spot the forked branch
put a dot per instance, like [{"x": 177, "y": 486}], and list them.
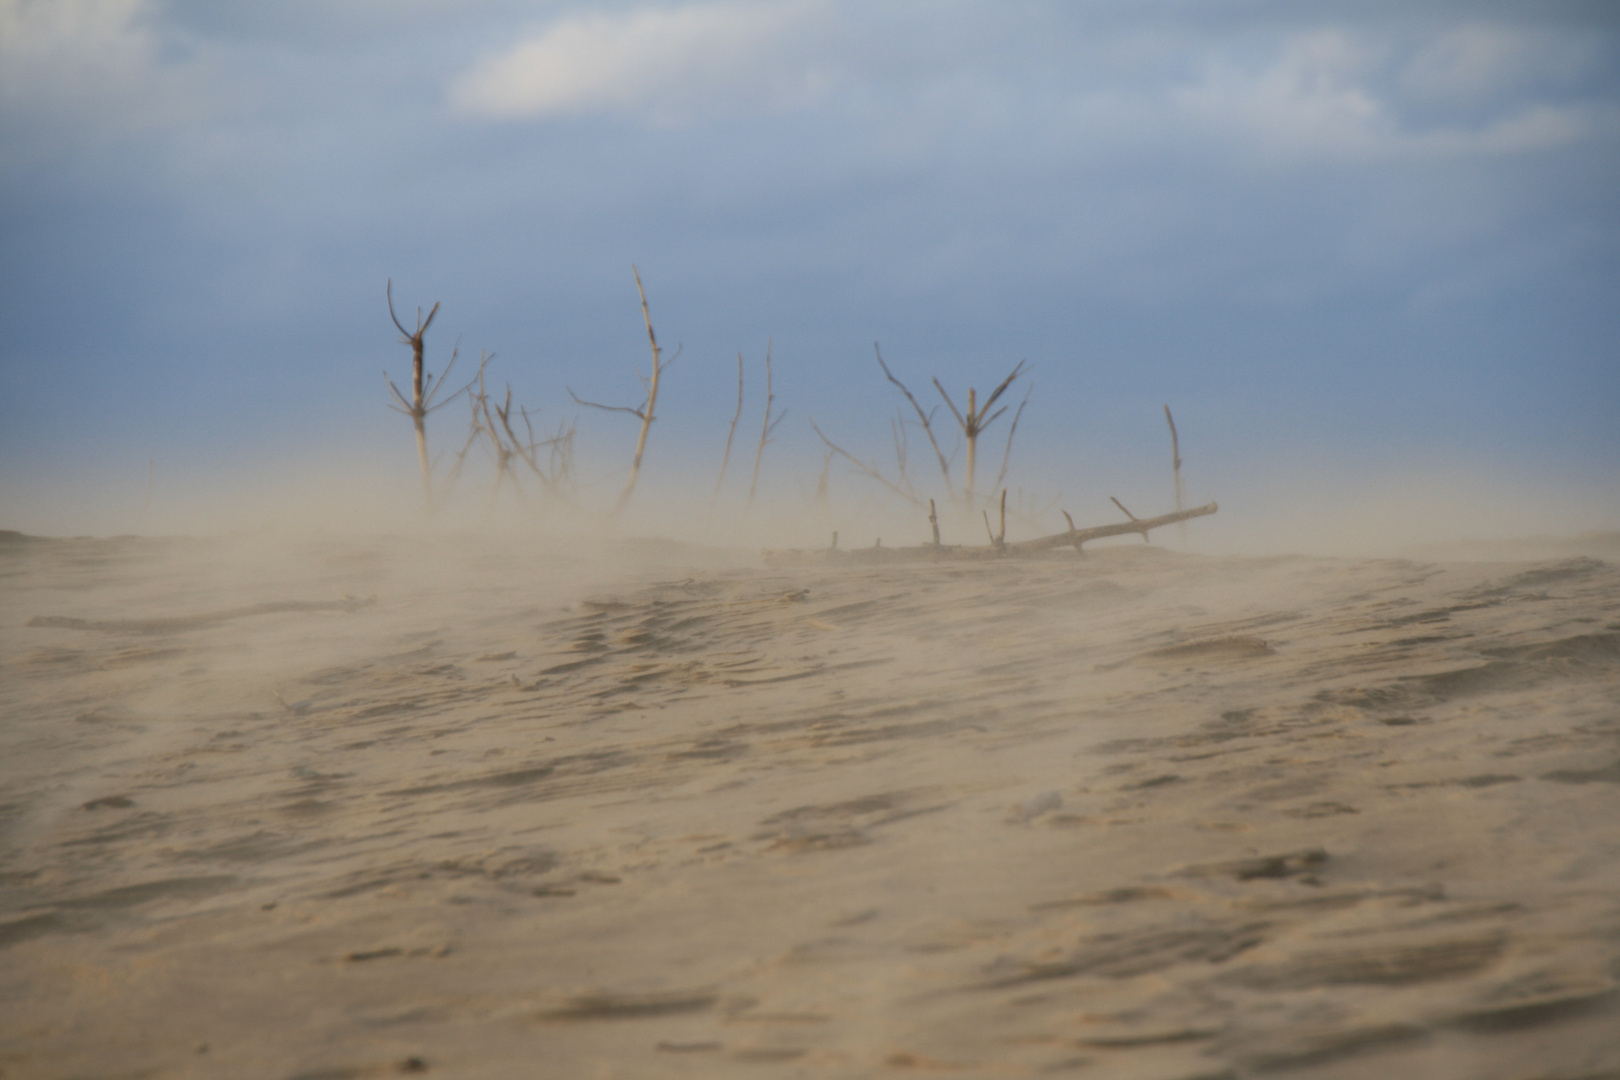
[
  {"x": 646, "y": 411},
  {"x": 864, "y": 468},
  {"x": 976, "y": 420},
  {"x": 424, "y": 392},
  {"x": 926, "y": 419}
]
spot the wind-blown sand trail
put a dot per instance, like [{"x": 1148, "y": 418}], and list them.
[{"x": 668, "y": 813}]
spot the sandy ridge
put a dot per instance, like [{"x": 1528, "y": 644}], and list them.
[{"x": 1137, "y": 815}]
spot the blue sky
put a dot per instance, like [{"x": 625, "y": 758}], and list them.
[{"x": 1340, "y": 239}]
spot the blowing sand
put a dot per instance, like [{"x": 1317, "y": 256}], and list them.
[{"x": 654, "y": 811}]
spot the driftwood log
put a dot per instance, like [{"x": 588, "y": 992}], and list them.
[
  {"x": 1075, "y": 537},
  {"x": 997, "y": 548}
]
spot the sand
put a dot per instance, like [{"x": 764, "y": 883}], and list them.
[{"x": 645, "y": 810}]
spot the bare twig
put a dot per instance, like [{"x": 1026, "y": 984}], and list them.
[
  {"x": 1006, "y": 455},
  {"x": 977, "y": 419},
  {"x": 426, "y": 393},
  {"x": 1175, "y": 454},
  {"x": 926, "y": 419},
  {"x": 558, "y": 475},
  {"x": 484, "y": 420},
  {"x": 658, "y": 366},
  {"x": 1175, "y": 466},
  {"x": 767, "y": 426},
  {"x": 524, "y": 451},
  {"x": 639, "y": 412},
  {"x": 646, "y": 411},
  {"x": 473, "y": 431},
  {"x": 998, "y": 540},
  {"x": 902, "y": 452},
  {"x": 909, "y": 496},
  {"x": 417, "y": 407},
  {"x": 730, "y": 435}
]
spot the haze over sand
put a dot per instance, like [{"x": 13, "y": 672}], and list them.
[
  {"x": 643, "y": 808},
  {"x": 295, "y": 785}
]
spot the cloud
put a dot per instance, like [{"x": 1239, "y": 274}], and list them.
[
  {"x": 1269, "y": 95},
  {"x": 73, "y": 71},
  {"x": 1338, "y": 96},
  {"x": 1479, "y": 61},
  {"x": 658, "y": 64}
]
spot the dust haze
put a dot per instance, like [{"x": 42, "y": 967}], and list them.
[
  {"x": 299, "y": 783},
  {"x": 339, "y": 743}
]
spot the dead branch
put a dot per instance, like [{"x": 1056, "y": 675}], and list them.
[
  {"x": 418, "y": 403},
  {"x": 902, "y": 451},
  {"x": 868, "y": 470},
  {"x": 998, "y": 541},
  {"x": 426, "y": 394},
  {"x": 484, "y": 421},
  {"x": 461, "y": 456},
  {"x": 638, "y": 412},
  {"x": 1175, "y": 454},
  {"x": 658, "y": 366},
  {"x": 768, "y": 425},
  {"x": 1175, "y": 467},
  {"x": 646, "y": 411},
  {"x": 523, "y": 451},
  {"x": 995, "y": 549},
  {"x": 925, "y": 418},
  {"x": 977, "y": 419},
  {"x": 558, "y": 475},
  {"x": 1075, "y": 537},
  {"x": 732, "y": 434},
  {"x": 1006, "y": 455}
]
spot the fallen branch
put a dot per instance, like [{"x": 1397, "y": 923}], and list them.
[
  {"x": 1075, "y": 537},
  {"x": 997, "y": 547}
]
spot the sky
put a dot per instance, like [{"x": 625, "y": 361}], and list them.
[{"x": 1357, "y": 247}]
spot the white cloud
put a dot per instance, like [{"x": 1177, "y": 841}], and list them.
[
  {"x": 659, "y": 64},
  {"x": 1336, "y": 96},
  {"x": 1479, "y": 61},
  {"x": 1309, "y": 98},
  {"x": 77, "y": 70}
]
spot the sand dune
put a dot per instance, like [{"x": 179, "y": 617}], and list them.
[{"x": 342, "y": 809}]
